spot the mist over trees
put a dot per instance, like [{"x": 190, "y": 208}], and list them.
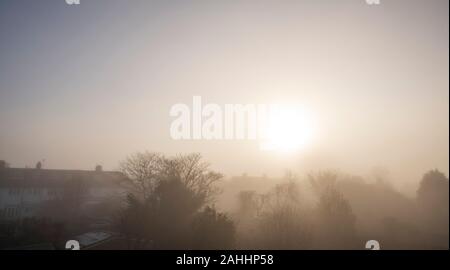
[
  {"x": 169, "y": 206},
  {"x": 331, "y": 210},
  {"x": 179, "y": 202},
  {"x": 172, "y": 205}
]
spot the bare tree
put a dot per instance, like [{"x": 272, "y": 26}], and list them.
[
  {"x": 322, "y": 182},
  {"x": 143, "y": 170},
  {"x": 336, "y": 226},
  {"x": 284, "y": 219},
  {"x": 195, "y": 174}
]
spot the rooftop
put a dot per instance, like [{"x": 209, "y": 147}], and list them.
[{"x": 31, "y": 177}]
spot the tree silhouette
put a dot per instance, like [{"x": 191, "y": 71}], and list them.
[
  {"x": 283, "y": 220},
  {"x": 194, "y": 173},
  {"x": 433, "y": 200},
  {"x": 170, "y": 216},
  {"x": 212, "y": 230},
  {"x": 143, "y": 171},
  {"x": 433, "y": 190},
  {"x": 336, "y": 221}
]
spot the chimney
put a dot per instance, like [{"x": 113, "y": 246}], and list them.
[
  {"x": 98, "y": 168},
  {"x": 3, "y": 164}
]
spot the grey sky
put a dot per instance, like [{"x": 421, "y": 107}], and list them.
[{"x": 88, "y": 84}]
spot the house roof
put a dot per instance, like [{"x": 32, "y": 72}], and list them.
[{"x": 40, "y": 178}]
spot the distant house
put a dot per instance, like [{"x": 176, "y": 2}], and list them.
[{"x": 24, "y": 191}]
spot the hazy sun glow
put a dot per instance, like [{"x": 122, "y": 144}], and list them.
[{"x": 288, "y": 129}]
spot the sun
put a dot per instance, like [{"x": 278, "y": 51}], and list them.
[{"x": 288, "y": 129}]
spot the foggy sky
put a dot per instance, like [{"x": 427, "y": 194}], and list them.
[{"x": 89, "y": 84}]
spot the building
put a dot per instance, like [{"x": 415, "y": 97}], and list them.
[{"x": 25, "y": 192}]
